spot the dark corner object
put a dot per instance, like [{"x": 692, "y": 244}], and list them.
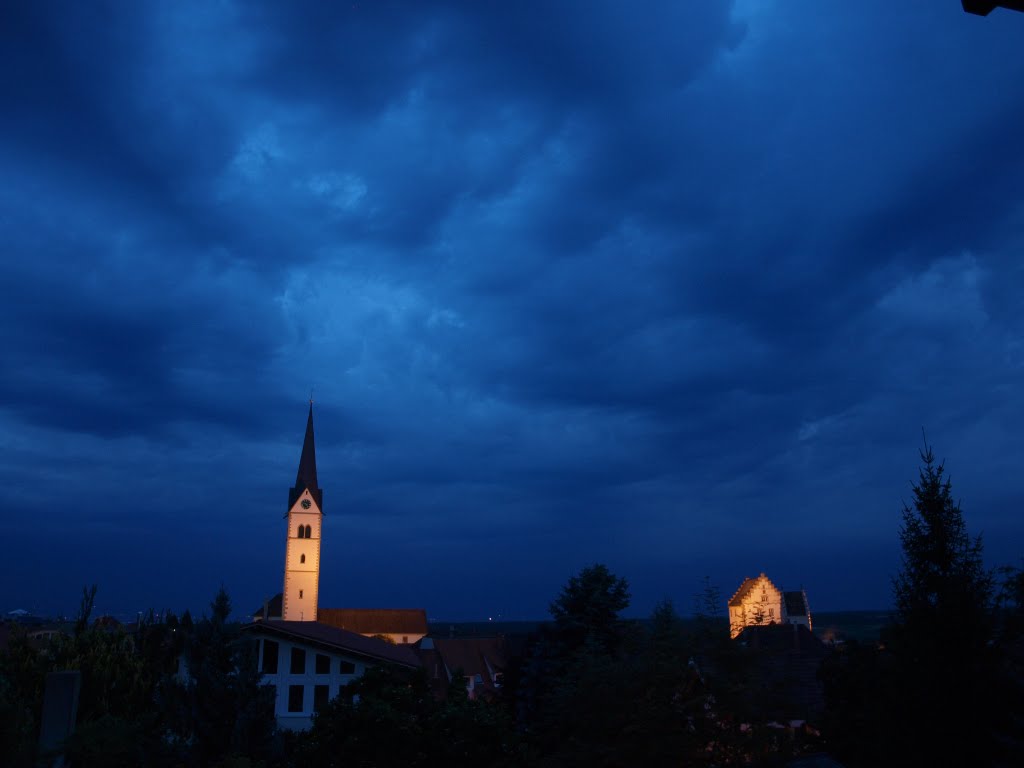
[{"x": 985, "y": 7}]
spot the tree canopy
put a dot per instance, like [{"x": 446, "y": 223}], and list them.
[
  {"x": 589, "y": 605},
  {"x": 943, "y": 582}
]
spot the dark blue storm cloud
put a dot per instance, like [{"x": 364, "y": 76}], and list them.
[{"x": 670, "y": 287}]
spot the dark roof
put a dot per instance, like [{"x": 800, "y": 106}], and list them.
[
  {"x": 790, "y": 638},
  {"x": 334, "y": 639},
  {"x": 275, "y": 606},
  {"x": 796, "y": 604},
  {"x": 484, "y": 656},
  {"x": 376, "y": 621},
  {"x": 306, "y": 476},
  {"x": 473, "y": 655}
]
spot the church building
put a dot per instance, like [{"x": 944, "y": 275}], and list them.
[
  {"x": 759, "y": 602},
  {"x": 306, "y": 659}
]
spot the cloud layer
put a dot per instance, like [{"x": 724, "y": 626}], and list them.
[{"x": 673, "y": 289}]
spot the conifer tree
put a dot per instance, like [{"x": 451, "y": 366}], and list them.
[
  {"x": 945, "y": 665},
  {"x": 589, "y": 606},
  {"x": 943, "y": 581}
]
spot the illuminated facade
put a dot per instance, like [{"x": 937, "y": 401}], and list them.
[
  {"x": 302, "y": 550},
  {"x": 759, "y": 602}
]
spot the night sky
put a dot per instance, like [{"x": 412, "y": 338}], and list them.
[{"x": 669, "y": 286}]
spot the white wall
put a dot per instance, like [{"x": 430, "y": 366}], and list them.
[
  {"x": 302, "y": 579},
  {"x": 283, "y": 679}
]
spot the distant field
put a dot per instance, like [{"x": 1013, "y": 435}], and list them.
[{"x": 863, "y": 626}]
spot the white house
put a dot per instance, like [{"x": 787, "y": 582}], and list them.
[{"x": 307, "y": 663}]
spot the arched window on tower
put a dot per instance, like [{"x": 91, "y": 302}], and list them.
[
  {"x": 302, "y": 532},
  {"x": 309, "y": 532},
  {"x": 302, "y": 559}
]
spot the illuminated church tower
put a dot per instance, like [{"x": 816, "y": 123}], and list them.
[{"x": 302, "y": 554}]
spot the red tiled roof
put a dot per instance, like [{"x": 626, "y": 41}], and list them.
[
  {"x": 376, "y": 621},
  {"x": 335, "y": 639}
]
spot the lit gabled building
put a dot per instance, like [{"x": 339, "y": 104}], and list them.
[{"x": 759, "y": 602}]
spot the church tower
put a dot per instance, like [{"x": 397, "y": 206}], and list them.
[{"x": 302, "y": 553}]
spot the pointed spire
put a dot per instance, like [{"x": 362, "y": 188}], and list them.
[{"x": 306, "y": 476}]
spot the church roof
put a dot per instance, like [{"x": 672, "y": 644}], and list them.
[
  {"x": 274, "y": 606},
  {"x": 306, "y": 476},
  {"x": 334, "y": 639},
  {"x": 796, "y": 603},
  {"x": 376, "y": 621}
]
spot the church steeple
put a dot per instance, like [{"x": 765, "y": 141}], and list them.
[
  {"x": 302, "y": 550},
  {"x": 306, "y": 476}
]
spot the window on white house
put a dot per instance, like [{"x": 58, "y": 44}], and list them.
[
  {"x": 298, "y": 666},
  {"x": 320, "y": 697},
  {"x": 295, "y": 694},
  {"x": 323, "y": 664},
  {"x": 347, "y": 668},
  {"x": 269, "y": 657}
]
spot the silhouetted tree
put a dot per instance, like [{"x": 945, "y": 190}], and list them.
[
  {"x": 221, "y": 710},
  {"x": 943, "y": 583},
  {"x": 932, "y": 694},
  {"x": 389, "y": 718},
  {"x": 22, "y": 670},
  {"x": 943, "y": 632},
  {"x": 85, "y": 609},
  {"x": 707, "y": 609},
  {"x": 588, "y": 607},
  {"x": 220, "y": 608}
]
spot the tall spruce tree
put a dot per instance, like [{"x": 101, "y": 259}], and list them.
[
  {"x": 943, "y": 581},
  {"x": 945, "y": 677}
]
